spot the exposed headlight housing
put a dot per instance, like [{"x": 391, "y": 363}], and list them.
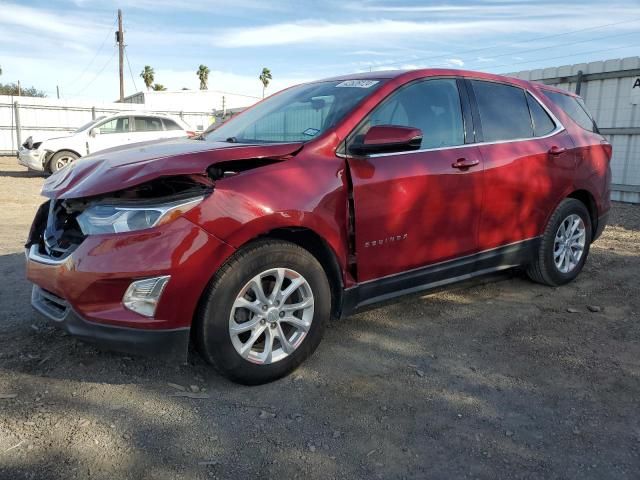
[{"x": 106, "y": 218}]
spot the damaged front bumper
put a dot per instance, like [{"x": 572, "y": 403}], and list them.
[
  {"x": 32, "y": 159},
  {"x": 170, "y": 344},
  {"x": 82, "y": 291}
]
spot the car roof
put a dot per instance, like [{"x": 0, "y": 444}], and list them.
[
  {"x": 433, "y": 72},
  {"x": 142, "y": 114}
]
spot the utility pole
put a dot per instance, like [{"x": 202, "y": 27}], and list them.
[
  {"x": 58, "y": 91},
  {"x": 19, "y": 91},
  {"x": 120, "y": 40}
]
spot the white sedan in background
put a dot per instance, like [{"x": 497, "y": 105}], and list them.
[{"x": 105, "y": 132}]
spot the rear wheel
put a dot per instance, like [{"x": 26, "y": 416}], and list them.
[
  {"x": 264, "y": 312},
  {"x": 565, "y": 245},
  {"x": 61, "y": 160}
]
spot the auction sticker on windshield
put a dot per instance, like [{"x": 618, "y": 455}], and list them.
[{"x": 357, "y": 83}]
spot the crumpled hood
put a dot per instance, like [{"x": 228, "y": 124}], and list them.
[{"x": 123, "y": 167}]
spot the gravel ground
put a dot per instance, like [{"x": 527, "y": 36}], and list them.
[{"x": 494, "y": 379}]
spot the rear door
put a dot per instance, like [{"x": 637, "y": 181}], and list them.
[
  {"x": 415, "y": 208},
  {"x": 529, "y": 162}
]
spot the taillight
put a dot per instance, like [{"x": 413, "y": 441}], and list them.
[{"x": 190, "y": 134}]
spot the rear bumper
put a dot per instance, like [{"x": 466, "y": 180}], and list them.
[{"x": 170, "y": 344}]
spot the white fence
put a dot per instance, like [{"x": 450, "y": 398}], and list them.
[
  {"x": 21, "y": 117},
  {"x": 611, "y": 90}
]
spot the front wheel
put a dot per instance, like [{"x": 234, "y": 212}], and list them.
[
  {"x": 61, "y": 160},
  {"x": 264, "y": 312},
  {"x": 564, "y": 246}
]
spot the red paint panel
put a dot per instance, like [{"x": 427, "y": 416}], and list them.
[
  {"x": 415, "y": 209},
  {"x": 98, "y": 273},
  {"x": 523, "y": 185}
]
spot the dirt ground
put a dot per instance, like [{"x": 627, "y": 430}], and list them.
[{"x": 500, "y": 378}]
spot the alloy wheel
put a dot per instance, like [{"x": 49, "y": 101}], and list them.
[
  {"x": 63, "y": 161},
  {"x": 568, "y": 246},
  {"x": 271, "y": 316}
]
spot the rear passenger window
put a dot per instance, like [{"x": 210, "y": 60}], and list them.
[
  {"x": 170, "y": 125},
  {"x": 503, "y": 109},
  {"x": 542, "y": 123},
  {"x": 573, "y": 107},
  {"x": 433, "y": 106},
  {"x": 147, "y": 124}
]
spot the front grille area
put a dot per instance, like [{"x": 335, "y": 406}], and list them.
[
  {"x": 49, "y": 304},
  {"x": 55, "y": 230}
]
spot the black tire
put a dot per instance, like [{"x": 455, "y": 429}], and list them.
[
  {"x": 543, "y": 269},
  {"x": 212, "y": 319},
  {"x": 56, "y": 163}
]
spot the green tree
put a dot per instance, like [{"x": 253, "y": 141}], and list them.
[
  {"x": 158, "y": 87},
  {"x": 265, "y": 77},
  {"x": 203, "y": 75},
  {"x": 148, "y": 76},
  {"x": 12, "y": 89}
]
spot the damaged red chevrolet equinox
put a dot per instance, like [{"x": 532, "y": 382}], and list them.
[{"x": 321, "y": 200}]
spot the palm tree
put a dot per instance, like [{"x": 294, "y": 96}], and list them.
[
  {"x": 148, "y": 76},
  {"x": 203, "y": 75},
  {"x": 158, "y": 87},
  {"x": 265, "y": 77}
]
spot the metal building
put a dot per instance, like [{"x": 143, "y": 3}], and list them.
[{"x": 611, "y": 90}]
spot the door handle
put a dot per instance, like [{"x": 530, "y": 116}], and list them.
[
  {"x": 557, "y": 150},
  {"x": 463, "y": 163}
]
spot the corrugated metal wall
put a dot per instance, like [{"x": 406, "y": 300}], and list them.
[{"x": 611, "y": 90}]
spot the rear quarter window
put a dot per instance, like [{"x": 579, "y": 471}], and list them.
[
  {"x": 170, "y": 125},
  {"x": 575, "y": 108},
  {"x": 542, "y": 122}
]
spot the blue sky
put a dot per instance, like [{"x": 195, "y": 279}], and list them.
[{"x": 70, "y": 43}]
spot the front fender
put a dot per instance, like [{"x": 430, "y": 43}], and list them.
[{"x": 290, "y": 194}]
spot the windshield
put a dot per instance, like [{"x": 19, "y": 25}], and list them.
[
  {"x": 88, "y": 124},
  {"x": 298, "y": 114}
]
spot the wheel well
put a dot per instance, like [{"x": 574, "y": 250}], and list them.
[
  {"x": 318, "y": 247},
  {"x": 585, "y": 197}
]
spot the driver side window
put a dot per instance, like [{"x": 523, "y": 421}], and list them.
[
  {"x": 433, "y": 106},
  {"x": 117, "y": 125}
]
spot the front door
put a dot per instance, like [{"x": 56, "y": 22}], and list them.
[
  {"x": 414, "y": 209},
  {"x": 111, "y": 133}
]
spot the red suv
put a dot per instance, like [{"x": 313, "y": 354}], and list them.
[{"x": 320, "y": 200}]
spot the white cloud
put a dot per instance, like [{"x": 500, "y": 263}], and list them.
[
  {"x": 316, "y": 32},
  {"x": 456, "y": 62},
  {"x": 380, "y": 32},
  {"x": 42, "y": 22}
]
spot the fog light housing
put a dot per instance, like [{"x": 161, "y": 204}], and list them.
[{"x": 143, "y": 296}]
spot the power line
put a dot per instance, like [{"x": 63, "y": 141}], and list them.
[
  {"x": 97, "y": 74},
  {"x": 508, "y": 44},
  {"x": 130, "y": 71},
  {"x": 548, "y": 47},
  {"x": 94, "y": 57},
  {"x": 633, "y": 45}
]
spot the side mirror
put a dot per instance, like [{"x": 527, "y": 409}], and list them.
[
  {"x": 388, "y": 139},
  {"x": 94, "y": 131}
]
